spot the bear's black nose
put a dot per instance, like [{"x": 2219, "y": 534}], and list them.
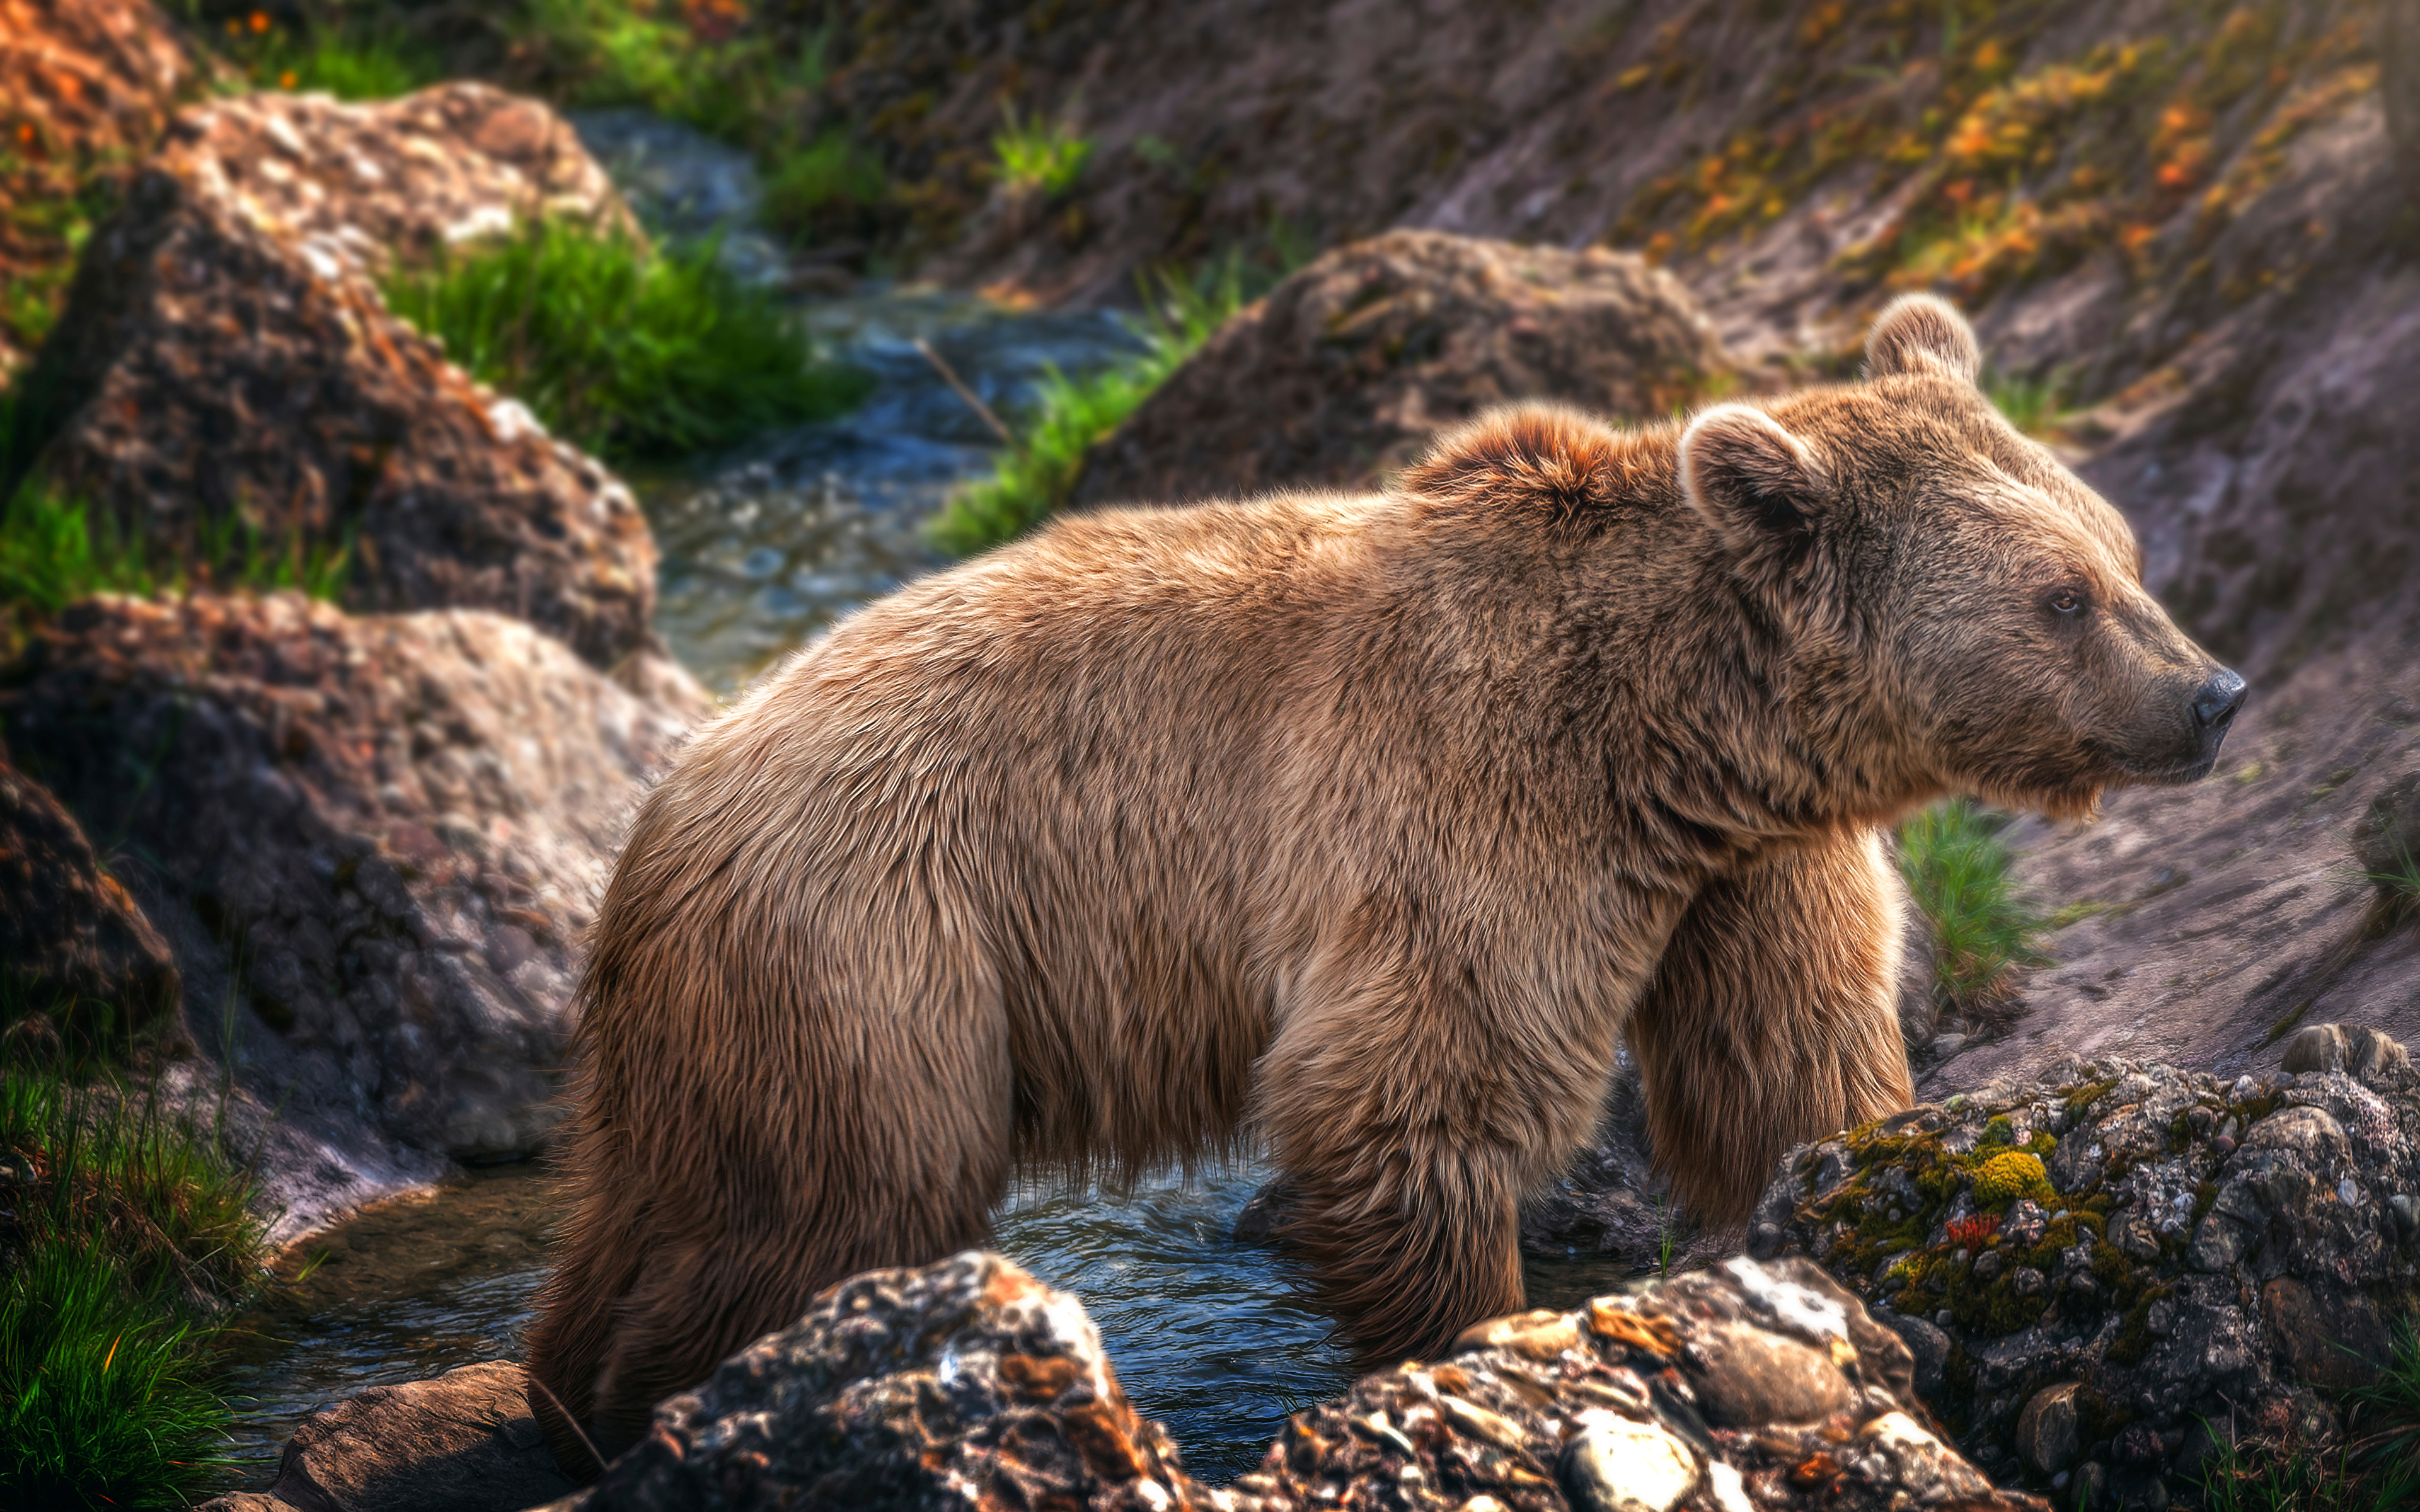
[{"x": 2217, "y": 701}]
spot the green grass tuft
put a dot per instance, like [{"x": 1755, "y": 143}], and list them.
[
  {"x": 1035, "y": 156},
  {"x": 1031, "y": 479},
  {"x": 352, "y": 59},
  {"x": 1958, "y": 870},
  {"x": 124, "y": 1239},
  {"x": 823, "y": 187},
  {"x": 624, "y": 351},
  {"x": 705, "y": 64}
]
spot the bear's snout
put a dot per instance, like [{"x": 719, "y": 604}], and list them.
[{"x": 2214, "y": 708}]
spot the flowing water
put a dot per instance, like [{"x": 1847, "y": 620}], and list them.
[
  {"x": 760, "y": 550},
  {"x": 1208, "y": 1333}
]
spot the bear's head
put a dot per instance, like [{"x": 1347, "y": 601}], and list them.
[{"x": 1973, "y": 612}]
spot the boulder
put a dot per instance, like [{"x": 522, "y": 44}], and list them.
[
  {"x": 372, "y": 841},
  {"x": 75, "y": 948},
  {"x": 1347, "y": 368},
  {"x": 1744, "y": 1384},
  {"x": 965, "y": 1384},
  {"x": 2346, "y": 1047},
  {"x": 462, "y": 1442},
  {"x": 968, "y": 1382},
  {"x": 84, "y": 85},
  {"x": 225, "y": 372},
  {"x": 2124, "y": 1251}
]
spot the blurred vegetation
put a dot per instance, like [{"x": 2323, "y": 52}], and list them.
[
  {"x": 1038, "y": 157},
  {"x": 371, "y": 57},
  {"x": 624, "y": 351},
  {"x": 1032, "y": 477},
  {"x": 2007, "y": 176},
  {"x": 127, "y": 1238},
  {"x": 1960, "y": 874}
]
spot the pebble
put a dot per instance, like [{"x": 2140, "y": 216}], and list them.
[{"x": 1619, "y": 1466}]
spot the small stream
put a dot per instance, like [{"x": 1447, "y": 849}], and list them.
[
  {"x": 762, "y": 550},
  {"x": 1208, "y": 1333}
]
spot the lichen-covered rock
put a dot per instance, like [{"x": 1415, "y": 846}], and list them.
[
  {"x": 964, "y": 1383},
  {"x": 2205, "y": 1252},
  {"x": 1746, "y": 1385},
  {"x": 1348, "y": 367},
  {"x": 373, "y": 840},
  {"x": 225, "y": 370},
  {"x": 73, "y": 945}
]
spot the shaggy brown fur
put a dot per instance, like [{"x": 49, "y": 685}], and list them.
[{"x": 1357, "y": 827}]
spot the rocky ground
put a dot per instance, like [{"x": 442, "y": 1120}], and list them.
[{"x": 968, "y": 1382}]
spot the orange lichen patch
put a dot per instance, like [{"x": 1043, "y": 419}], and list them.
[{"x": 1654, "y": 1335}]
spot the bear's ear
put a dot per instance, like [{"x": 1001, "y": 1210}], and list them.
[
  {"x": 1759, "y": 487},
  {"x": 1919, "y": 333}
]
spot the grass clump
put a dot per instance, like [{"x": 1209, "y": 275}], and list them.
[
  {"x": 711, "y": 64},
  {"x": 1958, "y": 870},
  {"x": 626, "y": 351},
  {"x": 827, "y": 188},
  {"x": 1033, "y": 476},
  {"x": 125, "y": 1237},
  {"x": 1037, "y": 157},
  {"x": 364, "y": 60}
]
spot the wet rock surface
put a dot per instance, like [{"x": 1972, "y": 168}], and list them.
[
  {"x": 71, "y": 940},
  {"x": 1348, "y": 367},
  {"x": 2109, "y": 1267},
  {"x": 371, "y": 840},
  {"x": 224, "y": 366},
  {"x": 965, "y": 1382},
  {"x": 464, "y": 1442}
]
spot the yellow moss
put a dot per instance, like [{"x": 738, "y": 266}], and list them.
[{"x": 2005, "y": 1178}]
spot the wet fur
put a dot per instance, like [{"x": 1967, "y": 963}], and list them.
[{"x": 1354, "y": 828}]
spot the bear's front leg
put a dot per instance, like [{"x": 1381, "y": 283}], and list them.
[
  {"x": 1411, "y": 1104},
  {"x": 1773, "y": 1019}
]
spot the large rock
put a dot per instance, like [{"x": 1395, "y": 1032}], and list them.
[
  {"x": 968, "y": 1382},
  {"x": 1743, "y": 1386},
  {"x": 464, "y": 1442},
  {"x": 1347, "y": 368},
  {"x": 75, "y": 948},
  {"x": 2110, "y": 1265},
  {"x": 372, "y": 841},
  {"x": 226, "y": 365},
  {"x": 85, "y": 85}
]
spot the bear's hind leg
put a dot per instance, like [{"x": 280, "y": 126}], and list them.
[{"x": 1772, "y": 1019}]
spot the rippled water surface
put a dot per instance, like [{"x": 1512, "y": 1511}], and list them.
[{"x": 1208, "y": 1335}]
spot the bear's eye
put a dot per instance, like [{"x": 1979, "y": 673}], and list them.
[{"x": 2065, "y": 600}]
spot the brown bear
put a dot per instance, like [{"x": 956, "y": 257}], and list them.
[{"x": 1356, "y": 830}]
